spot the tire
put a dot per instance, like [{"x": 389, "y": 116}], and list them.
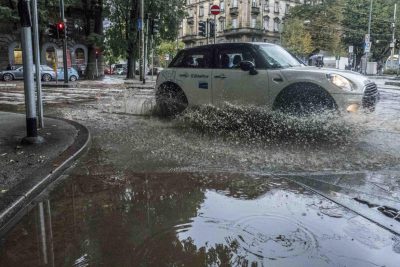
[
  {"x": 46, "y": 77},
  {"x": 304, "y": 99},
  {"x": 8, "y": 77},
  {"x": 73, "y": 78},
  {"x": 170, "y": 100}
]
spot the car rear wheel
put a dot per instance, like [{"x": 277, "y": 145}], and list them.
[
  {"x": 170, "y": 100},
  {"x": 46, "y": 77},
  {"x": 8, "y": 77},
  {"x": 73, "y": 78},
  {"x": 304, "y": 99}
]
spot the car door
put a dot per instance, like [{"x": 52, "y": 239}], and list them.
[
  {"x": 233, "y": 85},
  {"x": 19, "y": 73},
  {"x": 192, "y": 70}
]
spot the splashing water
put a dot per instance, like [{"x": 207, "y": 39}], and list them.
[{"x": 261, "y": 124}]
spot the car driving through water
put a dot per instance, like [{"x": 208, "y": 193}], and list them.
[{"x": 259, "y": 74}]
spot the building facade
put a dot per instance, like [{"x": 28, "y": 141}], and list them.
[
  {"x": 239, "y": 20},
  {"x": 50, "y": 49}
]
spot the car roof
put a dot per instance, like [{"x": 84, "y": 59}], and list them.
[{"x": 209, "y": 46}]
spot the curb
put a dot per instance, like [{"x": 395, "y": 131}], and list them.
[
  {"x": 19, "y": 199},
  {"x": 393, "y": 83}
]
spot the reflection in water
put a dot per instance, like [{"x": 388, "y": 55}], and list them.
[{"x": 138, "y": 219}]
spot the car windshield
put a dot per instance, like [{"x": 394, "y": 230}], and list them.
[{"x": 277, "y": 57}]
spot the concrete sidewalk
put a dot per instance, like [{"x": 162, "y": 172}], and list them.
[
  {"x": 25, "y": 171},
  {"x": 115, "y": 82}
]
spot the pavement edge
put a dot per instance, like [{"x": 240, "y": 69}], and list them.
[{"x": 24, "y": 194}]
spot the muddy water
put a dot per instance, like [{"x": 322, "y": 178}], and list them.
[{"x": 102, "y": 216}]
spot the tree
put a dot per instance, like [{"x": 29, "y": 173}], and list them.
[
  {"x": 122, "y": 36},
  {"x": 168, "y": 48},
  {"x": 355, "y": 26},
  {"x": 296, "y": 38},
  {"x": 323, "y": 21}
]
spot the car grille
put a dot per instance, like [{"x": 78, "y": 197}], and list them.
[
  {"x": 371, "y": 95},
  {"x": 370, "y": 90}
]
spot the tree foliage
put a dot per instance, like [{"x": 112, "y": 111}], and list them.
[
  {"x": 122, "y": 36},
  {"x": 296, "y": 38},
  {"x": 355, "y": 25},
  {"x": 336, "y": 24},
  {"x": 322, "y": 22},
  {"x": 168, "y": 48}
]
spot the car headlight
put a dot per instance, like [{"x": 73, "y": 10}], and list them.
[{"x": 340, "y": 82}]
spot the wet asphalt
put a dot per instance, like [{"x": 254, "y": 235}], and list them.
[{"x": 195, "y": 191}]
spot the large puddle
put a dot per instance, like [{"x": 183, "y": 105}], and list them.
[{"x": 105, "y": 217}]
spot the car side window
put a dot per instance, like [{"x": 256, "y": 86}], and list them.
[
  {"x": 230, "y": 57},
  {"x": 198, "y": 59}
]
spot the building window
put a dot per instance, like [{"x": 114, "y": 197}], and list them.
[
  {"x": 201, "y": 11},
  {"x": 287, "y": 9},
  {"x": 276, "y": 7},
  {"x": 222, "y": 25},
  {"x": 17, "y": 55},
  {"x": 234, "y": 23},
  {"x": 254, "y": 3},
  {"x": 253, "y": 22},
  {"x": 234, "y": 3},
  {"x": 222, "y": 5},
  {"x": 277, "y": 24},
  {"x": 266, "y": 23}
]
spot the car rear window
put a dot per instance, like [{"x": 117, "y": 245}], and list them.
[{"x": 195, "y": 58}]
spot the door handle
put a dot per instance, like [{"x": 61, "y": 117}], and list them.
[
  {"x": 278, "y": 79},
  {"x": 222, "y": 76}
]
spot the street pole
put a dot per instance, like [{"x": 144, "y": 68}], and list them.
[
  {"x": 143, "y": 42},
  {"x": 394, "y": 30},
  {"x": 64, "y": 42},
  {"x": 37, "y": 63},
  {"x": 215, "y": 29},
  {"x": 208, "y": 30},
  {"x": 152, "y": 56},
  {"x": 369, "y": 34},
  {"x": 26, "y": 41}
]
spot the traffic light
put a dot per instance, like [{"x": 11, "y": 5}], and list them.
[
  {"x": 61, "y": 30},
  {"x": 97, "y": 53},
  {"x": 202, "y": 28},
  {"x": 397, "y": 44},
  {"x": 155, "y": 27},
  {"x": 212, "y": 28},
  {"x": 52, "y": 31}
]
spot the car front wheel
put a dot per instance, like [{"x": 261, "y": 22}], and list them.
[
  {"x": 8, "y": 77},
  {"x": 170, "y": 100},
  {"x": 73, "y": 78},
  {"x": 46, "y": 78}
]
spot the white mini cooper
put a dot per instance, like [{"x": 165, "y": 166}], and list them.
[{"x": 258, "y": 74}]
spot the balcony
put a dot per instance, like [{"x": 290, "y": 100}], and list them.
[
  {"x": 255, "y": 10},
  {"x": 189, "y": 38},
  {"x": 241, "y": 31},
  {"x": 190, "y": 20},
  {"x": 234, "y": 11}
]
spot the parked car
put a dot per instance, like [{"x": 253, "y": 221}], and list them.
[
  {"x": 156, "y": 71},
  {"x": 46, "y": 73},
  {"x": 72, "y": 74},
  {"x": 259, "y": 74},
  {"x": 121, "y": 71},
  {"x": 108, "y": 71}
]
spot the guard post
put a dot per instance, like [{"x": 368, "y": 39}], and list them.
[{"x": 26, "y": 41}]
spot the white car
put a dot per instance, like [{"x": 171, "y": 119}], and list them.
[{"x": 260, "y": 74}]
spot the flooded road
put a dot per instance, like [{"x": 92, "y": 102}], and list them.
[
  {"x": 105, "y": 217},
  {"x": 219, "y": 187}
]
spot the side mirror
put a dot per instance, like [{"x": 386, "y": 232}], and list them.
[{"x": 248, "y": 66}]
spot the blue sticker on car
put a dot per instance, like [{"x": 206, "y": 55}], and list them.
[{"x": 203, "y": 85}]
